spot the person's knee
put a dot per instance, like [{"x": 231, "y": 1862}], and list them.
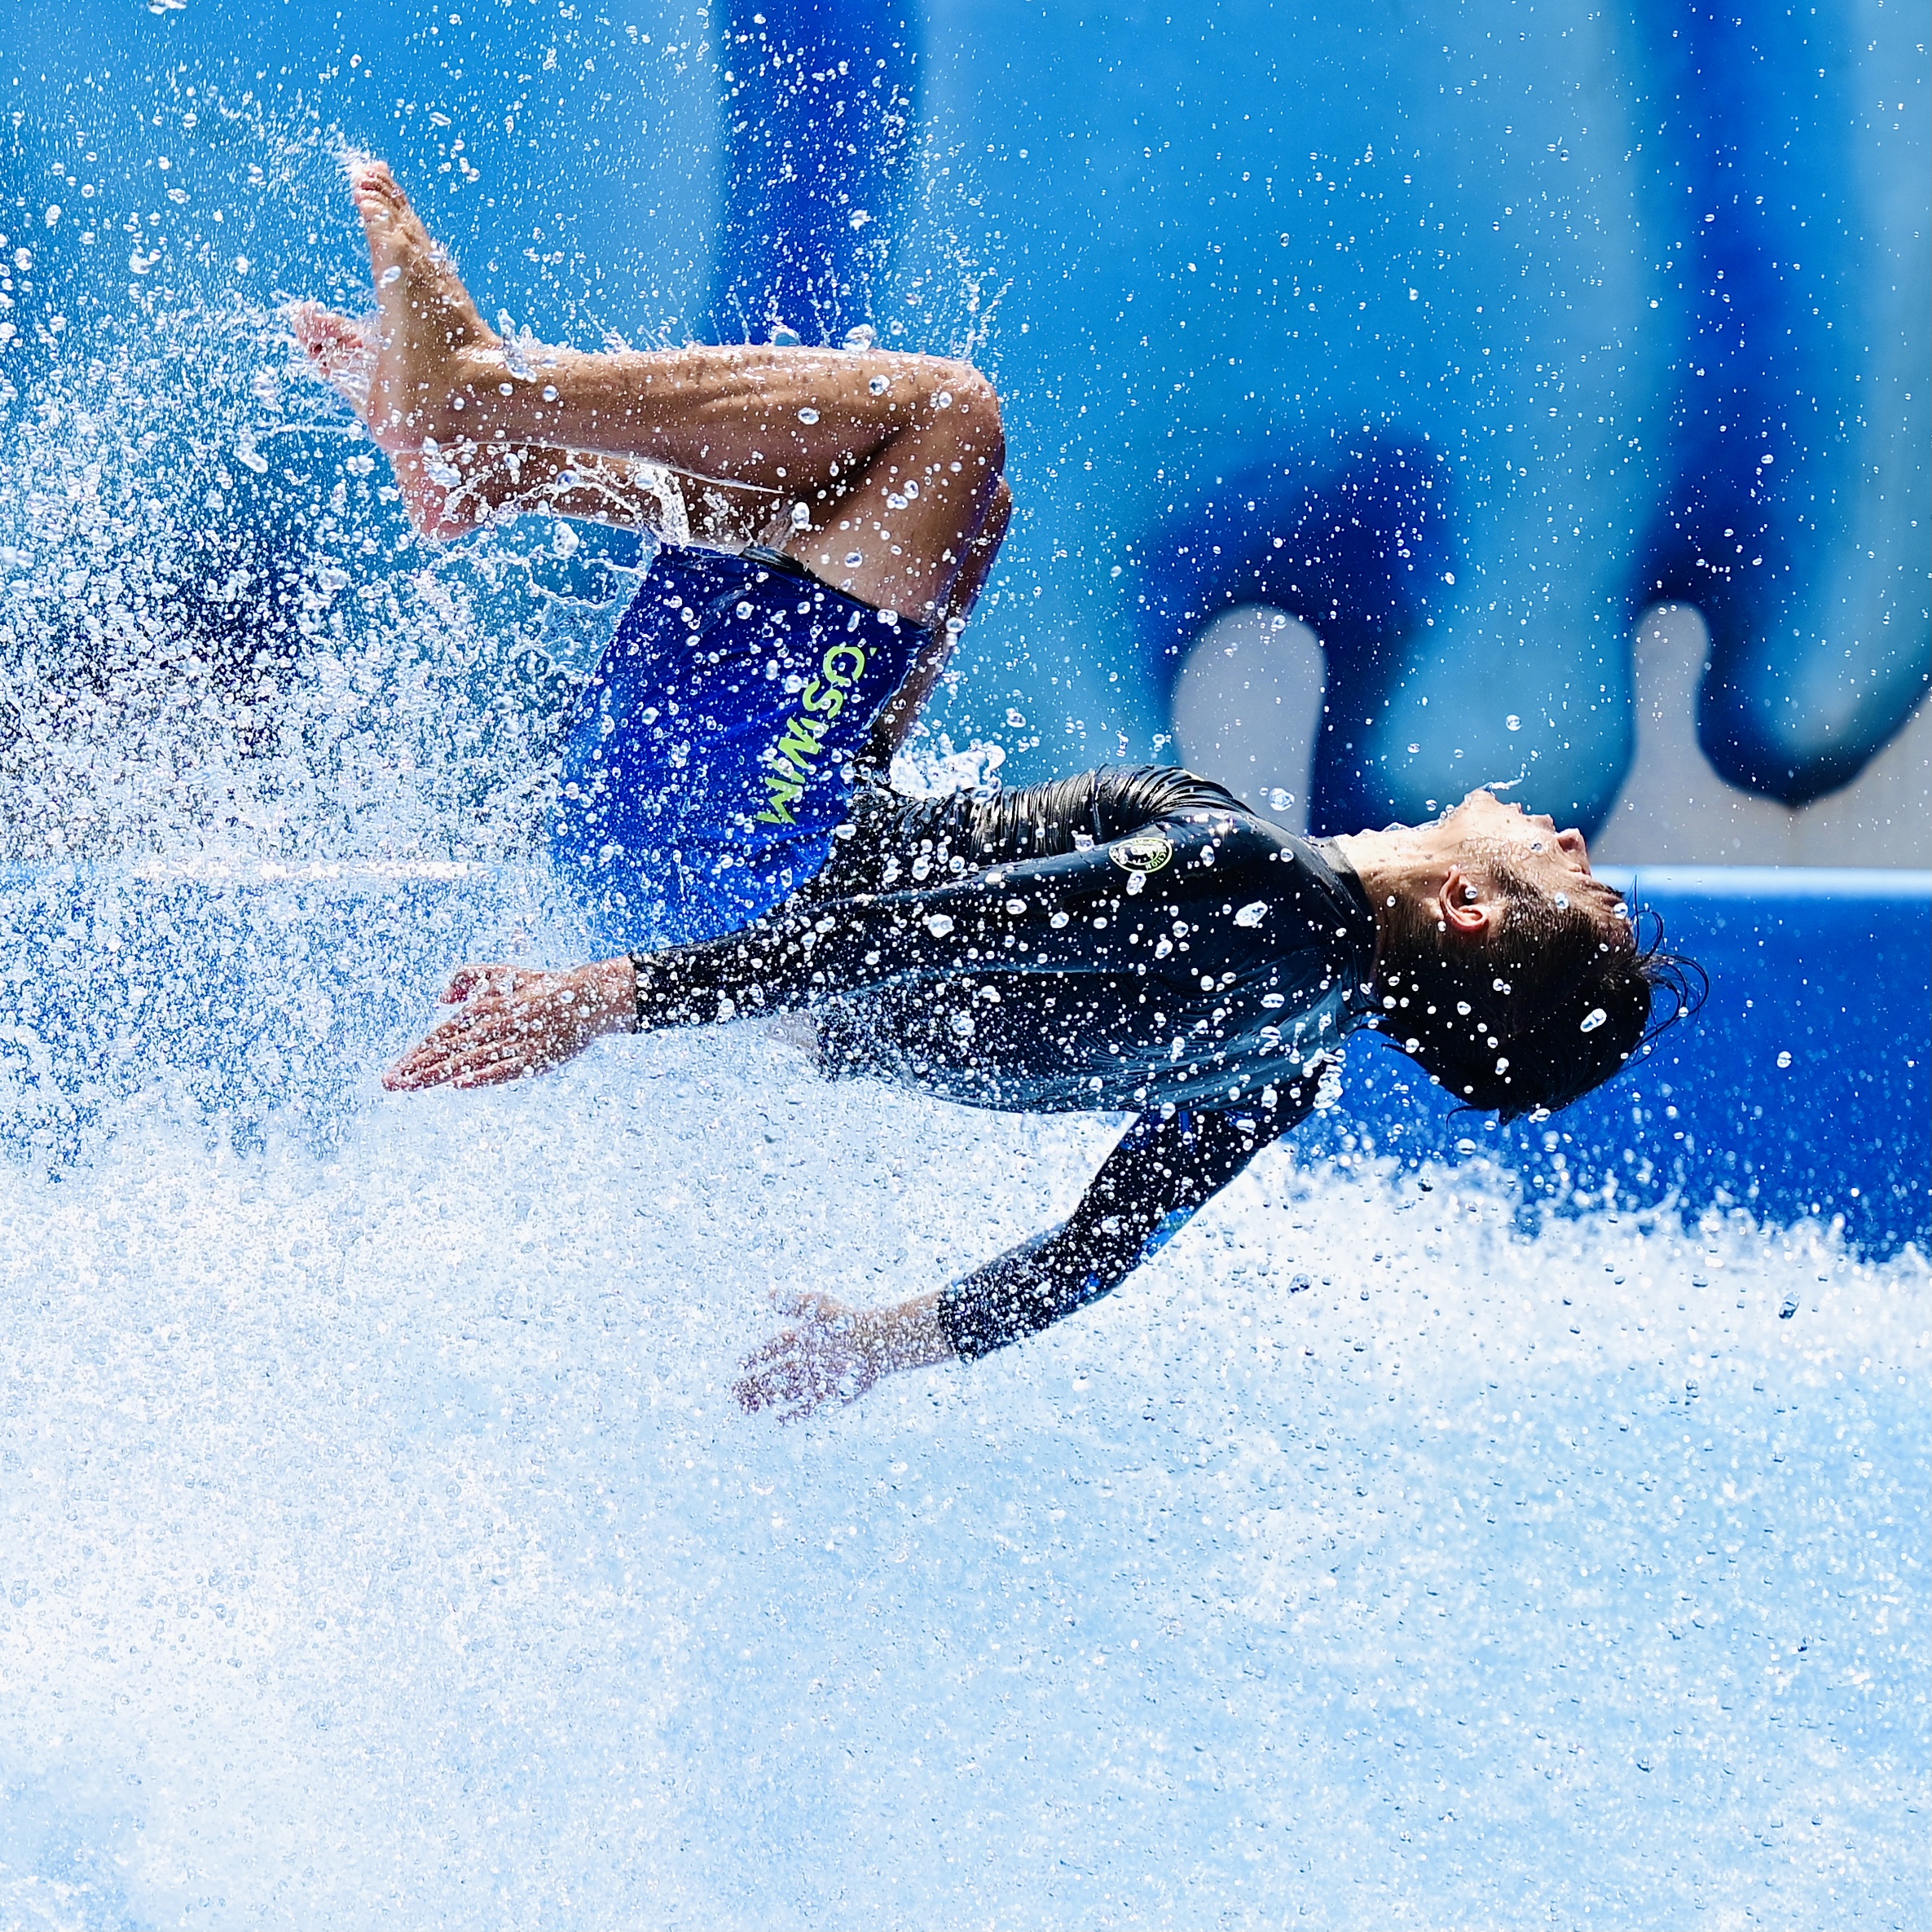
[{"x": 971, "y": 419}]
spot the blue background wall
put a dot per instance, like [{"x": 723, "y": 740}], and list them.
[{"x": 1463, "y": 335}]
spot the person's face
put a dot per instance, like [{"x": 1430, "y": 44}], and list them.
[{"x": 1557, "y": 861}]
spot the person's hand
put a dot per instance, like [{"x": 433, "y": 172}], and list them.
[
  {"x": 836, "y": 1353},
  {"x": 509, "y": 1022},
  {"x": 833, "y": 1355}
]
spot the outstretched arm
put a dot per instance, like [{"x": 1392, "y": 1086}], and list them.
[
  {"x": 1030, "y": 914},
  {"x": 1161, "y": 1173}
]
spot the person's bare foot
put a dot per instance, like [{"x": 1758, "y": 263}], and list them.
[
  {"x": 338, "y": 348},
  {"x": 432, "y": 343},
  {"x": 440, "y": 501}
]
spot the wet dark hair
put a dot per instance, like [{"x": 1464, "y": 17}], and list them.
[{"x": 1556, "y": 1004}]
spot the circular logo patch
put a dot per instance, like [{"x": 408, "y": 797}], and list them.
[{"x": 1148, "y": 853}]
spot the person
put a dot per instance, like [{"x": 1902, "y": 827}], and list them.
[{"x": 1130, "y": 939}]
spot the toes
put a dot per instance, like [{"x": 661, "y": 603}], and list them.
[
  {"x": 381, "y": 203},
  {"x": 336, "y": 345},
  {"x": 369, "y": 176},
  {"x": 373, "y": 193},
  {"x": 360, "y": 165}
]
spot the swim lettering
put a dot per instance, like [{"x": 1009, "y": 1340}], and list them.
[{"x": 791, "y": 760}]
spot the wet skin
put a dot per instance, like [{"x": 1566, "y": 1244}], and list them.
[{"x": 877, "y": 471}]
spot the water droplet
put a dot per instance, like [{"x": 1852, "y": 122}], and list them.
[
  {"x": 1503, "y": 1066},
  {"x": 506, "y": 388},
  {"x": 1788, "y": 1310},
  {"x": 807, "y": 415},
  {"x": 550, "y": 392},
  {"x": 1562, "y": 902},
  {"x": 854, "y": 558},
  {"x": 801, "y": 516},
  {"x": 744, "y": 610},
  {"x": 784, "y": 336},
  {"x": 943, "y": 399},
  {"x": 912, "y": 489},
  {"x": 1594, "y": 1019},
  {"x": 1513, "y": 722},
  {"x": 1252, "y": 913},
  {"x": 938, "y": 925},
  {"x": 879, "y": 384},
  {"x": 515, "y": 348},
  {"x": 1414, "y": 749},
  {"x": 391, "y": 276},
  {"x": 896, "y": 501},
  {"x": 862, "y": 337},
  {"x": 1784, "y": 1059}
]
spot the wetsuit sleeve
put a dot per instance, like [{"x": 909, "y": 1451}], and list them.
[
  {"x": 1046, "y": 915},
  {"x": 1162, "y": 1171}
]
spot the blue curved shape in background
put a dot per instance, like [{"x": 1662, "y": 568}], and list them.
[
  {"x": 1241, "y": 241},
  {"x": 1469, "y": 232},
  {"x": 1752, "y": 164},
  {"x": 1788, "y": 169},
  {"x": 1356, "y": 539}
]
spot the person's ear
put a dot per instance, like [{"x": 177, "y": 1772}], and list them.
[{"x": 1460, "y": 908}]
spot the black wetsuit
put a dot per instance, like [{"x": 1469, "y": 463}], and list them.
[{"x": 1132, "y": 939}]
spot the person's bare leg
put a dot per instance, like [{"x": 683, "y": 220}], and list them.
[
  {"x": 902, "y": 708},
  {"x": 465, "y": 485},
  {"x": 890, "y": 460}
]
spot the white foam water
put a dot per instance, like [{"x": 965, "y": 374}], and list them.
[{"x": 382, "y": 1544}]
